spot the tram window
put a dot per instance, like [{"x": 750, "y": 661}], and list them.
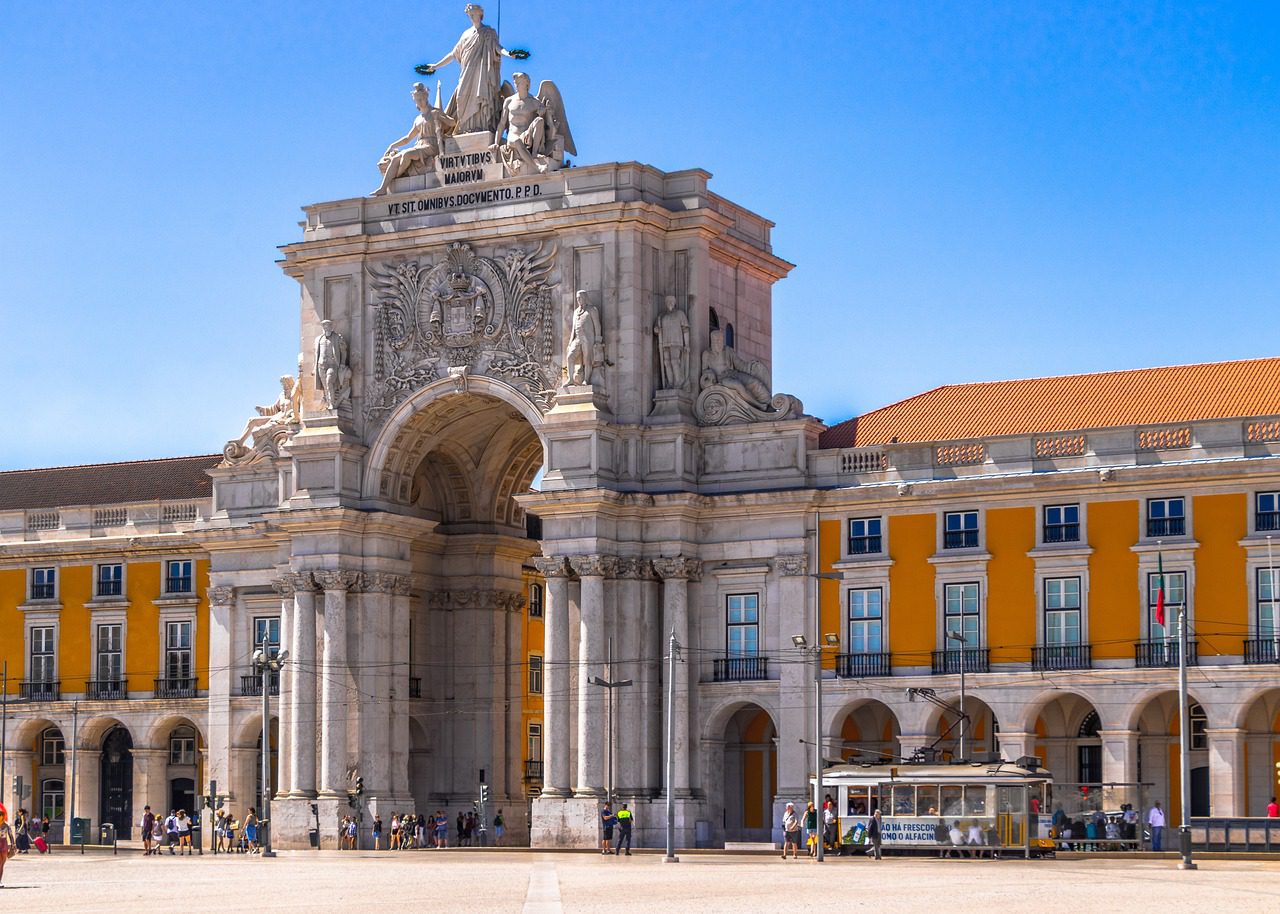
[
  {"x": 975, "y": 801},
  {"x": 927, "y": 800},
  {"x": 904, "y": 801},
  {"x": 857, "y": 804},
  {"x": 952, "y": 804}
]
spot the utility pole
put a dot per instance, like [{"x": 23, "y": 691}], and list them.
[
  {"x": 672, "y": 650},
  {"x": 266, "y": 665},
  {"x": 75, "y": 763},
  {"x": 610, "y": 684},
  {"x": 1184, "y": 741},
  {"x": 4, "y": 729}
]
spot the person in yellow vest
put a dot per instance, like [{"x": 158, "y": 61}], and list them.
[{"x": 625, "y": 821}]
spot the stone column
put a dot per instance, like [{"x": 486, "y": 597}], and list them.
[
  {"x": 591, "y": 571},
  {"x": 19, "y": 763},
  {"x": 334, "y": 691},
  {"x": 1226, "y": 772},
  {"x": 282, "y": 703},
  {"x": 1014, "y": 745},
  {"x": 398, "y": 709},
  {"x": 629, "y": 653},
  {"x": 149, "y": 788},
  {"x": 302, "y": 703},
  {"x": 676, "y": 573},
  {"x": 795, "y": 679},
  {"x": 1119, "y": 757},
  {"x": 223, "y": 683},
  {"x": 555, "y": 677}
]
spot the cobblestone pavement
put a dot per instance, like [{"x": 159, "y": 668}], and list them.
[{"x": 546, "y": 883}]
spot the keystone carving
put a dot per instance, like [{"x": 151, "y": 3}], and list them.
[
  {"x": 791, "y": 565},
  {"x": 221, "y": 596}
]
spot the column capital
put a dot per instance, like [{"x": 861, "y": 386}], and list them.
[
  {"x": 221, "y": 595},
  {"x": 594, "y": 566},
  {"x": 294, "y": 582},
  {"x": 338, "y": 580},
  {"x": 631, "y": 568},
  {"x": 791, "y": 565},
  {"x": 552, "y": 566},
  {"x": 678, "y": 568}
]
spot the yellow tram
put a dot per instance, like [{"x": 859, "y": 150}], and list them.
[{"x": 967, "y": 807}]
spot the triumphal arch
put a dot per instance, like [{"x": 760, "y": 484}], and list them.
[{"x": 495, "y": 309}]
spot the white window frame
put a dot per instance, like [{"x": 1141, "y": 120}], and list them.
[
  {"x": 536, "y": 668},
  {"x": 167, "y": 577},
  {"x": 51, "y": 748},
  {"x": 55, "y": 582},
  {"x": 1171, "y": 606},
  {"x": 981, "y": 531},
  {"x": 979, "y": 614},
  {"x": 539, "y": 604},
  {"x": 1042, "y": 523},
  {"x": 1187, "y": 528},
  {"x": 188, "y": 750},
  {"x": 864, "y": 621},
  {"x": 730, "y": 626},
  {"x": 533, "y": 738},
  {"x": 98, "y": 595},
  {"x": 165, "y": 623},
  {"x": 882, "y": 535},
  {"x": 1272, "y": 576},
  {"x": 1255, "y": 498},
  {"x": 99, "y": 654},
  {"x": 52, "y": 653},
  {"x": 1046, "y": 595}
]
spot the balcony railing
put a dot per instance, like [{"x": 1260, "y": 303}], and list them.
[
  {"x": 1262, "y": 650},
  {"x": 182, "y": 687},
  {"x": 106, "y": 690},
  {"x": 252, "y": 684},
  {"x": 109, "y": 588},
  {"x": 960, "y": 539},
  {"x": 42, "y": 591},
  {"x": 740, "y": 669},
  {"x": 969, "y": 659},
  {"x": 1061, "y": 533},
  {"x": 533, "y": 769},
  {"x": 857, "y": 666},
  {"x": 1161, "y": 653},
  {"x": 1267, "y": 521},
  {"x": 1061, "y": 657},
  {"x": 1166, "y": 526},
  {"x": 864, "y": 545},
  {"x": 40, "y": 689},
  {"x": 177, "y": 586},
  {"x": 415, "y": 687}
]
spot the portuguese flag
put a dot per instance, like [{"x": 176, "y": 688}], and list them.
[{"x": 1160, "y": 589}]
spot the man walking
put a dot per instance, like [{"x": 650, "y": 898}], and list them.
[
  {"x": 873, "y": 832},
  {"x": 1155, "y": 819},
  {"x": 625, "y": 821},
  {"x": 147, "y": 825}
]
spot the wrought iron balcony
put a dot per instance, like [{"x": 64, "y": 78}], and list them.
[
  {"x": 970, "y": 659},
  {"x": 864, "y": 545},
  {"x": 1262, "y": 650},
  {"x": 533, "y": 770},
  {"x": 180, "y": 687},
  {"x": 252, "y": 684},
  {"x": 857, "y": 666},
  {"x": 1166, "y": 526},
  {"x": 106, "y": 690},
  {"x": 1061, "y": 657},
  {"x": 1061, "y": 533},
  {"x": 110, "y": 588},
  {"x": 1267, "y": 521},
  {"x": 42, "y": 591},
  {"x": 40, "y": 689},
  {"x": 739, "y": 669},
  {"x": 415, "y": 687},
  {"x": 1161, "y": 653},
  {"x": 960, "y": 539},
  {"x": 175, "y": 586}
]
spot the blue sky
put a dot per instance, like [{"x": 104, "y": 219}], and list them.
[{"x": 969, "y": 191}]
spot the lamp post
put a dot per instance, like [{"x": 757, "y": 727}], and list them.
[
  {"x": 964, "y": 720},
  {"x": 1184, "y": 742},
  {"x": 265, "y": 663},
  {"x": 610, "y": 684},
  {"x": 673, "y": 650},
  {"x": 801, "y": 642}
]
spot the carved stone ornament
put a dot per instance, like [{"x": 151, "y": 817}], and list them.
[
  {"x": 221, "y": 595},
  {"x": 302, "y": 581},
  {"x": 552, "y": 567},
  {"x": 384, "y": 582},
  {"x": 484, "y": 315},
  {"x": 339, "y": 580},
  {"x": 449, "y": 600},
  {"x": 271, "y": 429},
  {"x": 594, "y": 566},
  {"x": 678, "y": 568},
  {"x": 635, "y": 569},
  {"x": 791, "y": 565},
  {"x": 734, "y": 391},
  {"x": 284, "y": 587}
]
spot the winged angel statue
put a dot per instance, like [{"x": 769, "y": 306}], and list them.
[{"x": 537, "y": 131}]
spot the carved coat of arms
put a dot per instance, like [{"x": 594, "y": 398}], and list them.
[{"x": 466, "y": 313}]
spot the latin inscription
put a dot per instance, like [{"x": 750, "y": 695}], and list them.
[
  {"x": 465, "y": 167},
  {"x": 440, "y": 202}
]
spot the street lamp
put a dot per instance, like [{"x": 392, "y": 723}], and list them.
[
  {"x": 265, "y": 663},
  {"x": 610, "y": 684},
  {"x": 801, "y": 642},
  {"x": 964, "y": 720}
]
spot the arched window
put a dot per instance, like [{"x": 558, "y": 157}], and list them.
[
  {"x": 182, "y": 746},
  {"x": 1090, "y": 726},
  {"x": 535, "y": 601},
  {"x": 1199, "y": 721},
  {"x": 728, "y": 335},
  {"x": 713, "y": 319},
  {"x": 52, "y": 750}
]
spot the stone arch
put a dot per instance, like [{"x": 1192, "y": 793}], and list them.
[
  {"x": 983, "y": 732},
  {"x": 95, "y": 729},
  {"x": 28, "y": 731},
  {"x": 1033, "y": 710},
  {"x": 740, "y": 767},
  {"x": 865, "y": 729},
  {"x": 1155, "y": 716},
  {"x": 1066, "y": 728},
  {"x": 158, "y": 734},
  {"x": 1259, "y": 718}
]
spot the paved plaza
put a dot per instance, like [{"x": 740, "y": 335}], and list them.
[{"x": 543, "y": 883}]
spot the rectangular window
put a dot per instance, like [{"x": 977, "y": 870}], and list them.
[
  {"x": 535, "y": 674},
  {"x": 267, "y": 628},
  {"x": 1267, "y": 518},
  {"x": 177, "y": 651},
  {"x": 1061, "y": 611},
  {"x": 535, "y": 742},
  {"x": 109, "y": 666},
  {"x": 43, "y": 583},
  {"x": 52, "y": 798},
  {"x": 1166, "y": 517},
  {"x": 864, "y": 536},
  {"x": 1175, "y": 595},
  {"x": 42, "y": 655},
  {"x": 110, "y": 580},
  {"x": 961, "y": 615},
  {"x": 1268, "y": 612},
  {"x": 743, "y": 620},
  {"x": 960, "y": 530},
  {"x": 1062, "y": 523},
  {"x": 182, "y": 750},
  {"x": 52, "y": 748},
  {"x": 535, "y": 601},
  {"x": 865, "y": 621},
  {"x": 177, "y": 576}
]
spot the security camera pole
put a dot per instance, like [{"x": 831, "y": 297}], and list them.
[{"x": 265, "y": 664}]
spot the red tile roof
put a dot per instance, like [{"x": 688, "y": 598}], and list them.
[
  {"x": 174, "y": 478},
  {"x": 1110, "y": 399}
]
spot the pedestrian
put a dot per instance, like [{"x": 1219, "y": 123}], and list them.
[
  {"x": 231, "y": 827},
  {"x": 829, "y": 823},
  {"x": 171, "y": 830},
  {"x": 1273, "y": 811},
  {"x": 377, "y": 833},
  {"x": 608, "y": 820},
  {"x": 462, "y": 828},
  {"x": 811, "y": 829},
  {"x": 500, "y": 824},
  {"x": 184, "y": 832},
  {"x": 395, "y": 832},
  {"x": 874, "y": 832},
  {"x": 791, "y": 832},
  {"x": 24, "y": 831},
  {"x": 250, "y": 831},
  {"x": 147, "y": 824},
  {"x": 1155, "y": 819},
  {"x": 8, "y": 841},
  {"x": 442, "y": 829},
  {"x": 157, "y": 836},
  {"x": 625, "y": 823}
]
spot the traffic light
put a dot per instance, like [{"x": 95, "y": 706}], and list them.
[
  {"x": 484, "y": 794},
  {"x": 1278, "y": 772},
  {"x": 359, "y": 786}
]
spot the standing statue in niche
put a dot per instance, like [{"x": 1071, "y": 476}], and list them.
[
  {"x": 426, "y": 137},
  {"x": 584, "y": 354},
  {"x": 537, "y": 131},
  {"x": 725, "y": 368},
  {"x": 475, "y": 102},
  {"x": 672, "y": 331},
  {"x": 333, "y": 372}
]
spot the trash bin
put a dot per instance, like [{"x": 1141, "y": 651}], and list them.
[
  {"x": 107, "y": 834},
  {"x": 79, "y": 830},
  {"x": 314, "y": 836}
]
